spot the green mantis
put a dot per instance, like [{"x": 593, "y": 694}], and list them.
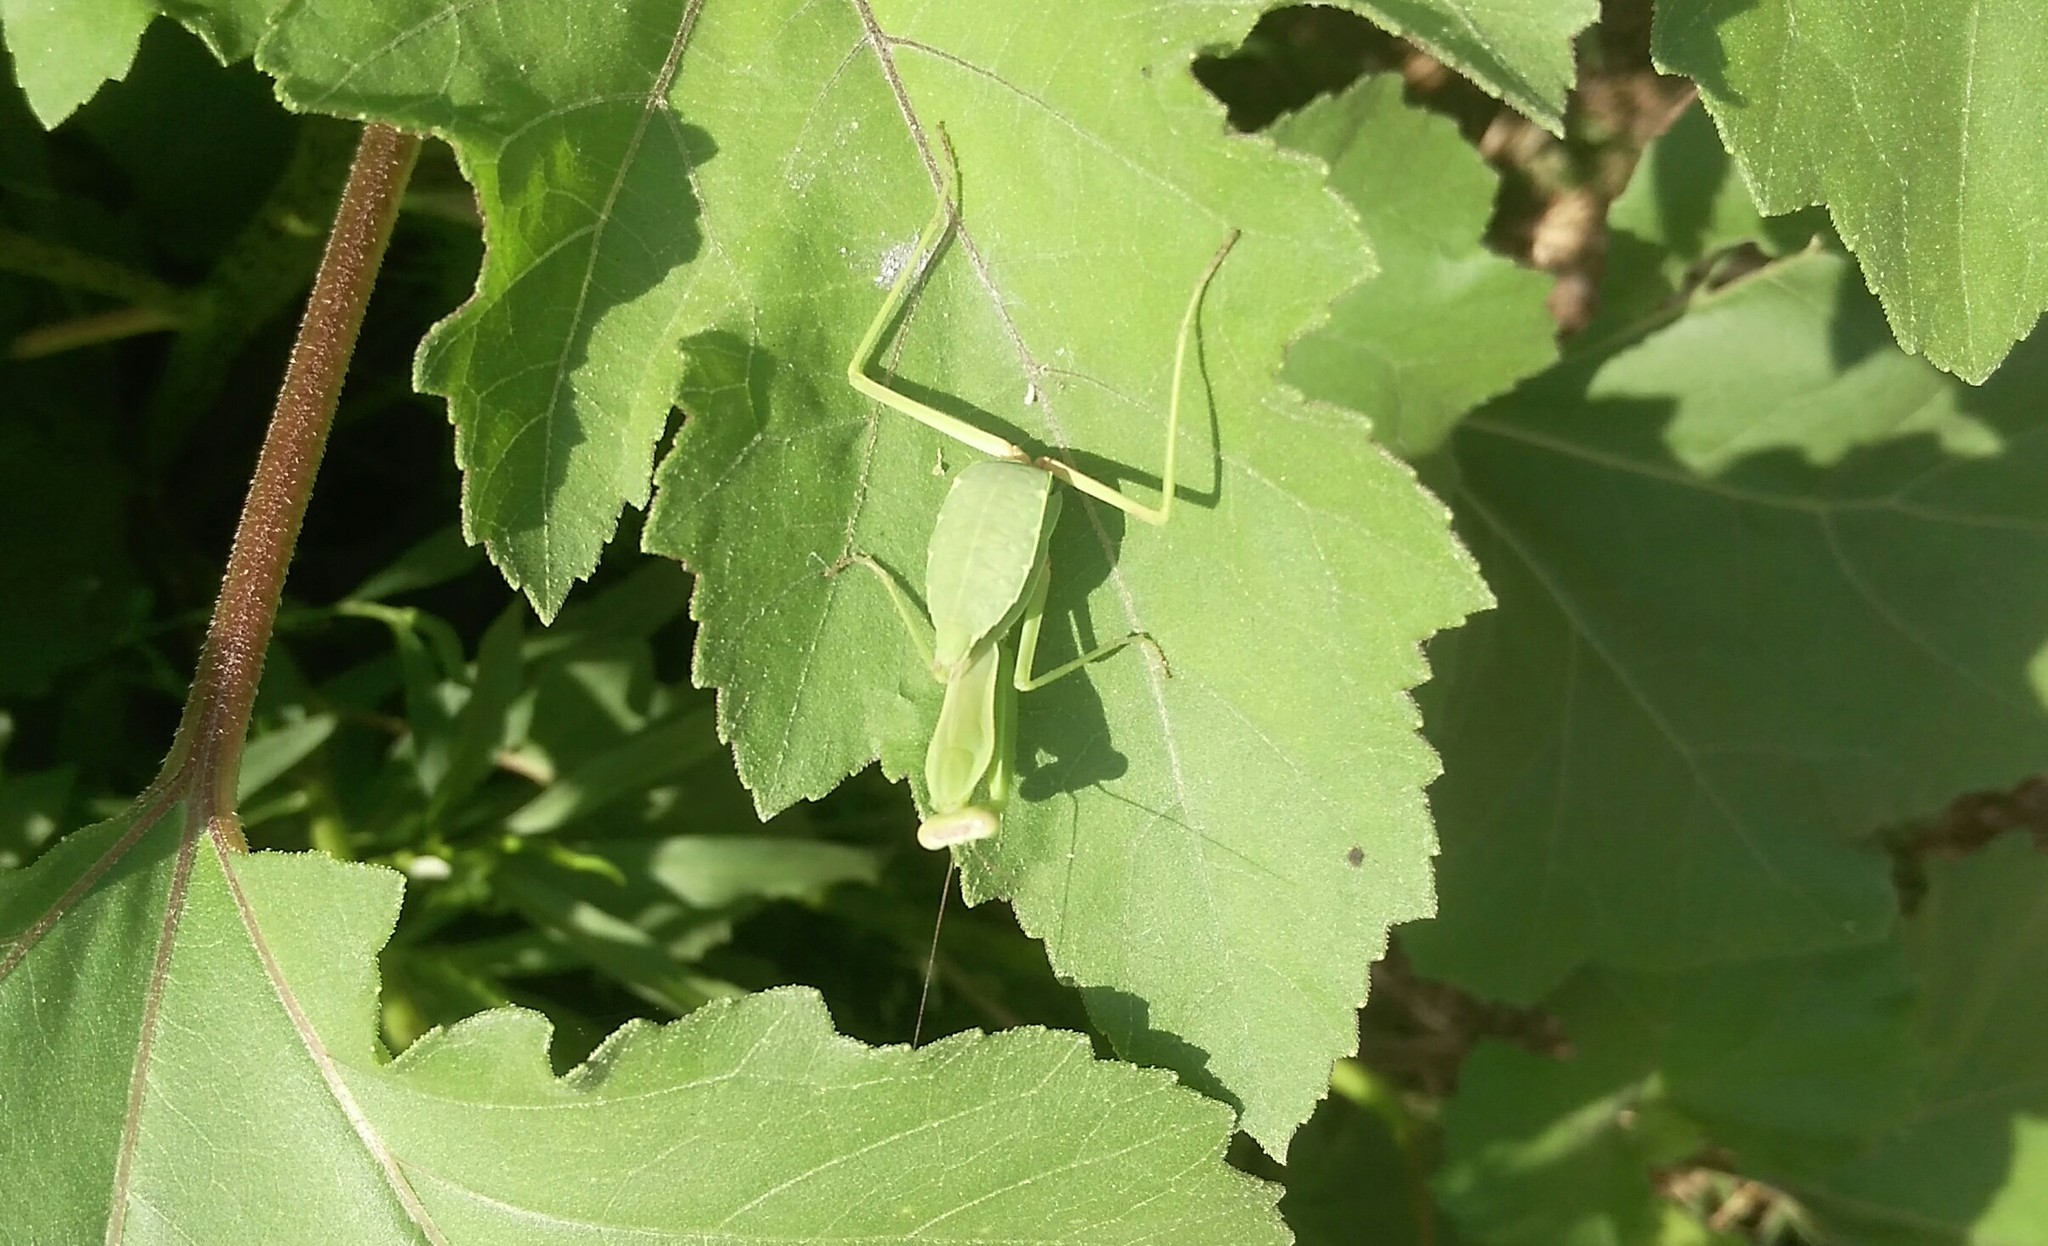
[{"x": 987, "y": 571}]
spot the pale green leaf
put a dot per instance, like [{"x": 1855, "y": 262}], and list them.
[
  {"x": 1204, "y": 856},
  {"x": 1520, "y": 51},
  {"x": 63, "y": 50},
  {"x": 1686, "y": 199},
  {"x": 1447, "y": 324},
  {"x": 1767, "y": 586},
  {"x": 188, "y": 1052},
  {"x": 645, "y": 910},
  {"x": 1921, "y": 128},
  {"x": 269, "y": 754},
  {"x": 1685, "y": 205}
]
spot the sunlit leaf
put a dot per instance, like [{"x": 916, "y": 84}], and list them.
[
  {"x": 161, "y": 1001},
  {"x": 1918, "y": 125},
  {"x": 1447, "y": 324},
  {"x": 1518, "y": 50}
]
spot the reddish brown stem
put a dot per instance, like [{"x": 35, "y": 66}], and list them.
[{"x": 206, "y": 758}]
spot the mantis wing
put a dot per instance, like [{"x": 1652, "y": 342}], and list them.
[{"x": 989, "y": 538}]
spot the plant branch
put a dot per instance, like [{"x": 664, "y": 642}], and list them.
[{"x": 207, "y": 754}]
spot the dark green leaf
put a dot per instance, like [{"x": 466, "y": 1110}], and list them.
[{"x": 1766, "y": 586}]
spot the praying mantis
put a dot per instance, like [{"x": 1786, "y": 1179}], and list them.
[{"x": 987, "y": 570}]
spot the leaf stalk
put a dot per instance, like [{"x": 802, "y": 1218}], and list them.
[{"x": 206, "y": 756}]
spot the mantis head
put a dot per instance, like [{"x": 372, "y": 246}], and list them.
[{"x": 962, "y": 826}]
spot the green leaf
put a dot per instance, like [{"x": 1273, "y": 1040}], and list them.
[
  {"x": 188, "y": 1051},
  {"x": 1687, "y": 199},
  {"x": 1965, "y": 1159},
  {"x": 439, "y": 557},
  {"x": 1547, "y": 1154},
  {"x": 1160, "y": 817},
  {"x": 1352, "y": 1178},
  {"x": 1685, "y": 205},
  {"x": 1795, "y": 1057},
  {"x": 1767, "y": 585},
  {"x": 592, "y": 197},
  {"x": 1918, "y": 125},
  {"x": 560, "y": 370},
  {"x": 659, "y": 905},
  {"x": 1447, "y": 324},
  {"x": 648, "y": 757},
  {"x": 65, "y": 49},
  {"x": 270, "y": 754},
  {"x": 1520, "y": 51}
]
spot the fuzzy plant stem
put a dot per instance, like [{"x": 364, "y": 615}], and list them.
[{"x": 206, "y": 758}]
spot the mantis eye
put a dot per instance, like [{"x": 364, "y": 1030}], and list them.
[{"x": 962, "y": 826}]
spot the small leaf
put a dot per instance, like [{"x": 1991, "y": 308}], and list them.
[
  {"x": 660, "y": 905},
  {"x": 1794, "y": 1057},
  {"x": 1520, "y": 51},
  {"x": 1447, "y": 324},
  {"x": 1687, "y": 199},
  {"x": 1685, "y": 204},
  {"x": 1918, "y": 125},
  {"x": 1540, "y": 1153},
  {"x": 560, "y": 370},
  {"x": 64, "y": 51},
  {"x": 1965, "y": 1158}
]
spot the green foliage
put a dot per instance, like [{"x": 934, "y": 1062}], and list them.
[
  {"x": 1682, "y": 792},
  {"x": 79, "y": 46},
  {"x": 1719, "y": 949},
  {"x": 1920, "y": 128},
  {"x": 1961, "y": 1155},
  {"x": 1893, "y": 1088},
  {"x": 1143, "y": 868},
  {"x": 1518, "y": 50},
  {"x": 748, "y": 1119},
  {"x": 1422, "y": 196}
]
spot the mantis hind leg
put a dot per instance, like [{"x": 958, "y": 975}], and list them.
[
  {"x": 1030, "y": 623},
  {"x": 1169, "y": 474},
  {"x": 914, "y": 622}
]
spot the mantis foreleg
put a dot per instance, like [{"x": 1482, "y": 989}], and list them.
[
  {"x": 914, "y": 621},
  {"x": 913, "y": 274}
]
